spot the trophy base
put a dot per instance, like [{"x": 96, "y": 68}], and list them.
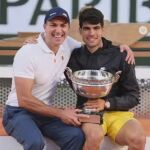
[{"x": 92, "y": 119}]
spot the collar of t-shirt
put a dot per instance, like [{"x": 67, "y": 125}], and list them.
[{"x": 43, "y": 45}]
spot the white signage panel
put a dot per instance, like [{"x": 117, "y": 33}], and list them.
[{"x": 28, "y": 15}]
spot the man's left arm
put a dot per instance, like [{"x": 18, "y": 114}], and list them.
[
  {"x": 130, "y": 55},
  {"x": 128, "y": 90},
  {"x": 125, "y": 48}
]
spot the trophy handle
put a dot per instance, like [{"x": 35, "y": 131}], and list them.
[
  {"x": 102, "y": 68},
  {"x": 69, "y": 72},
  {"x": 117, "y": 76}
]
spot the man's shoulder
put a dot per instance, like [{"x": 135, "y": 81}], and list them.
[
  {"x": 77, "y": 51},
  {"x": 71, "y": 43},
  {"x": 28, "y": 50},
  {"x": 71, "y": 40},
  {"x": 118, "y": 52},
  {"x": 116, "y": 49}
]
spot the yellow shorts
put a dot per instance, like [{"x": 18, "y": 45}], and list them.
[{"x": 113, "y": 121}]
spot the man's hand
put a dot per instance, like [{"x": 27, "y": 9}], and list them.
[
  {"x": 97, "y": 104},
  {"x": 130, "y": 55},
  {"x": 71, "y": 116}
]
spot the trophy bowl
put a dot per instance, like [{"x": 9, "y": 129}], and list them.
[{"x": 92, "y": 83}]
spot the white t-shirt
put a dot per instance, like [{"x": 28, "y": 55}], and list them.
[{"x": 38, "y": 62}]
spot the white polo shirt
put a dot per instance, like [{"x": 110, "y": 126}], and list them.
[{"x": 38, "y": 62}]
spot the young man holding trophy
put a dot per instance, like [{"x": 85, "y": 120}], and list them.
[{"x": 98, "y": 53}]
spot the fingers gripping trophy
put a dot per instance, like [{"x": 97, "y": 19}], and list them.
[{"x": 92, "y": 84}]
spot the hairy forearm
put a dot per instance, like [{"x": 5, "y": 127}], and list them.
[{"x": 34, "y": 105}]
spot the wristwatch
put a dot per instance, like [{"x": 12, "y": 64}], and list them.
[{"x": 107, "y": 104}]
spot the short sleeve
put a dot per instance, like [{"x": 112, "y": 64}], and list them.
[{"x": 23, "y": 65}]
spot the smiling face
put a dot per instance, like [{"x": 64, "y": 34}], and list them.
[
  {"x": 92, "y": 35},
  {"x": 56, "y": 31}
]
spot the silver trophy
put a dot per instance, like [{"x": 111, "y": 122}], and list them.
[{"x": 92, "y": 84}]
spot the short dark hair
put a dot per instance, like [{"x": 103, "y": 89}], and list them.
[{"x": 91, "y": 15}]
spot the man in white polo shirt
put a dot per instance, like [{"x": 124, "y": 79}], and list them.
[{"x": 37, "y": 68}]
